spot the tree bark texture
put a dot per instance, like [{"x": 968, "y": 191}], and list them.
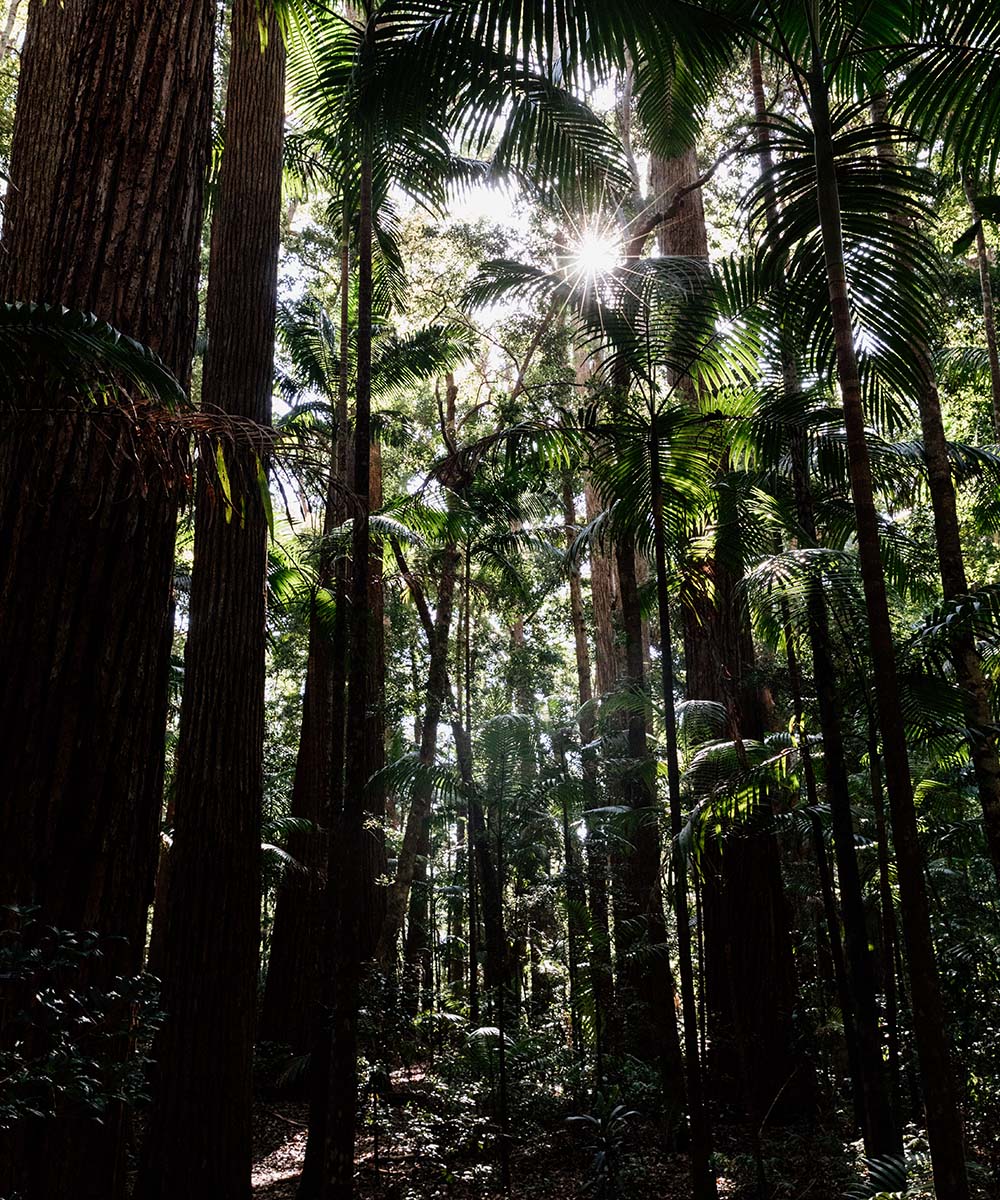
[
  {"x": 113, "y": 120},
  {"x": 200, "y": 1129}
]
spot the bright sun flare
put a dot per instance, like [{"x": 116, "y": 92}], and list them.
[{"x": 594, "y": 254}]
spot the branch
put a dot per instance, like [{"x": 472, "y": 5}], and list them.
[
  {"x": 654, "y": 220},
  {"x": 416, "y": 591}
]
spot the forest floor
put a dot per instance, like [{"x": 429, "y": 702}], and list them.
[{"x": 411, "y": 1163}]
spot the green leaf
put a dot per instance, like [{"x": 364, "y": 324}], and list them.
[
  {"x": 222, "y": 473},
  {"x": 962, "y": 244}
]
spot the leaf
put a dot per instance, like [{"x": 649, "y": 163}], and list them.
[
  {"x": 961, "y": 245},
  {"x": 222, "y": 474},
  {"x": 265, "y": 495}
]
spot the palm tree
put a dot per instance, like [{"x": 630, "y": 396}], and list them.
[{"x": 813, "y": 43}]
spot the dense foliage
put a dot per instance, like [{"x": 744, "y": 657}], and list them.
[{"x": 516, "y": 687}]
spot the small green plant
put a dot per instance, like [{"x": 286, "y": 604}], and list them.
[
  {"x": 604, "y": 1134},
  {"x": 67, "y": 1041}
]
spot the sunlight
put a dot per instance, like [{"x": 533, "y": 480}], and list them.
[{"x": 593, "y": 253}]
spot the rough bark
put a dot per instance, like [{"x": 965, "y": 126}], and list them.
[
  {"x": 200, "y": 1129},
  {"x": 112, "y": 120}
]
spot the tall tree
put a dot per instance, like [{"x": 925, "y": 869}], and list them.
[
  {"x": 746, "y": 917},
  {"x": 112, "y": 121},
  {"x": 199, "y": 1135},
  {"x": 943, "y": 1116}
]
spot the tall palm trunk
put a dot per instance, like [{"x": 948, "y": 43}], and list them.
[
  {"x": 965, "y": 656},
  {"x": 341, "y": 1117},
  {"x": 604, "y": 597},
  {"x": 112, "y": 119},
  {"x": 312, "y": 1181},
  {"x": 944, "y": 1121},
  {"x": 879, "y": 1125},
  {"x": 989, "y": 312},
  {"x": 375, "y": 861},
  {"x": 702, "y": 1176},
  {"x": 200, "y": 1134}
]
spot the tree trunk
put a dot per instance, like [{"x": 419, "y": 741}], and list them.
[
  {"x": 341, "y": 1117},
  {"x": 744, "y": 908},
  {"x": 297, "y": 967},
  {"x": 7, "y": 37},
  {"x": 944, "y": 1122},
  {"x": 989, "y": 313},
  {"x": 604, "y": 597},
  {"x": 878, "y": 1122},
  {"x": 646, "y": 987},
  {"x": 374, "y": 850},
  {"x": 200, "y": 1128},
  {"x": 420, "y": 805},
  {"x": 703, "y": 1186},
  {"x": 965, "y": 656},
  {"x": 112, "y": 120}
]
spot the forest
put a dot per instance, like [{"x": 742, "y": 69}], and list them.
[{"x": 499, "y": 599}]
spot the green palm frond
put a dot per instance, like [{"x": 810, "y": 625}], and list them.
[{"x": 80, "y": 355}]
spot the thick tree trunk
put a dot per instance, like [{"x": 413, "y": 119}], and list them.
[
  {"x": 645, "y": 985},
  {"x": 944, "y": 1122},
  {"x": 747, "y": 938},
  {"x": 112, "y": 120},
  {"x": 199, "y": 1135}
]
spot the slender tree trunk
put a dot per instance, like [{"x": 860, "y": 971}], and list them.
[
  {"x": 943, "y": 1118},
  {"x": 112, "y": 120},
  {"x": 294, "y": 986},
  {"x": 342, "y": 1114},
  {"x": 965, "y": 656},
  {"x": 375, "y": 862},
  {"x": 702, "y": 1176},
  {"x": 200, "y": 1135},
  {"x": 313, "y": 1168},
  {"x": 881, "y": 1129},
  {"x": 7, "y": 37},
  {"x": 420, "y": 805},
  {"x": 604, "y": 596},
  {"x": 989, "y": 313}
]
